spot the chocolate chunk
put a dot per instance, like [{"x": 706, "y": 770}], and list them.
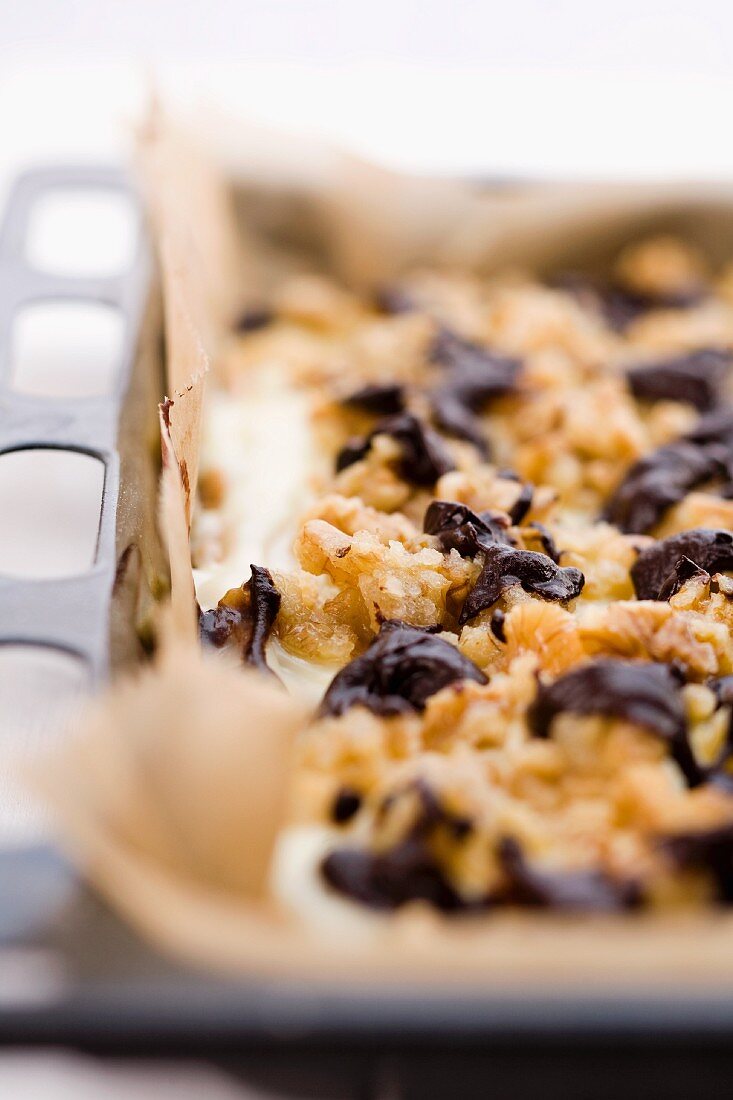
[
  {"x": 720, "y": 772},
  {"x": 548, "y": 543},
  {"x": 665, "y": 476},
  {"x": 722, "y": 687},
  {"x": 475, "y": 373},
  {"x": 683, "y": 570},
  {"x": 714, "y": 427},
  {"x": 497, "y": 625},
  {"x": 244, "y": 617},
  {"x": 399, "y": 672},
  {"x": 458, "y": 528},
  {"x": 522, "y": 504},
  {"x": 424, "y": 458},
  {"x": 475, "y": 376},
  {"x": 710, "y": 850},
  {"x": 659, "y": 571},
  {"x": 346, "y": 804},
  {"x": 452, "y": 416},
  {"x": 407, "y": 872},
  {"x": 620, "y": 306},
  {"x": 564, "y": 891},
  {"x": 504, "y": 566},
  {"x": 254, "y": 319},
  {"x": 657, "y": 481},
  {"x": 393, "y": 299},
  {"x": 644, "y": 693},
  {"x": 382, "y": 400},
  {"x": 696, "y": 378}
]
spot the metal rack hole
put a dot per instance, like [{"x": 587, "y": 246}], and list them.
[
  {"x": 50, "y": 501},
  {"x": 82, "y": 232},
  {"x": 66, "y": 349},
  {"x": 41, "y": 695}
]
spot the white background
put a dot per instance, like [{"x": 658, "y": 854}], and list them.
[{"x": 550, "y": 86}]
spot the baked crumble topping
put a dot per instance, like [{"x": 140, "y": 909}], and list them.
[{"x": 513, "y": 566}]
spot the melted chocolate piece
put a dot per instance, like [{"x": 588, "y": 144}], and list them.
[
  {"x": 452, "y": 416},
  {"x": 424, "y": 457},
  {"x": 714, "y": 427},
  {"x": 497, "y": 625},
  {"x": 722, "y": 686},
  {"x": 254, "y": 319},
  {"x": 620, "y": 308},
  {"x": 563, "y": 891},
  {"x": 657, "y": 481},
  {"x": 346, "y": 804},
  {"x": 644, "y": 693},
  {"x": 522, "y": 504},
  {"x": 382, "y": 400},
  {"x": 399, "y": 672},
  {"x": 458, "y": 528},
  {"x": 475, "y": 376},
  {"x": 720, "y": 771},
  {"x": 665, "y": 476},
  {"x": 407, "y": 872},
  {"x": 477, "y": 373},
  {"x": 618, "y": 305},
  {"x": 710, "y": 850},
  {"x": 244, "y": 617},
  {"x": 659, "y": 571},
  {"x": 683, "y": 570},
  {"x": 696, "y": 378},
  {"x": 393, "y": 299},
  {"x": 548, "y": 543},
  {"x": 504, "y": 566}
]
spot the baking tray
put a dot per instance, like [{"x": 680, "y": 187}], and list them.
[
  {"x": 72, "y": 974},
  {"x": 83, "y": 980}
]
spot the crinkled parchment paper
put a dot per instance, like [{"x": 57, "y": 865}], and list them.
[{"x": 173, "y": 793}]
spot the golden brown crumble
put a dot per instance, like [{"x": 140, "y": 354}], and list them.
[{"x": 601, "y": 792}]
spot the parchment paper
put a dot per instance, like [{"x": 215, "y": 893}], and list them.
[{"x": 173, "y": 794}]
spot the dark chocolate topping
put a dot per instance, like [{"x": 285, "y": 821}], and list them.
[
  {"x": 382, "y": 400},
  {"x": 665, "y": 476},
  {"x": 644, "y": 693},
  {"x": 244, "y": 617},
  {"x": 710, "y": 850},
  {"x": 474, "y": 377},
  {"x": 656, "y": 482},
  {"x": 475, "y": 372},
  {"x": 346, "y": 804},
  {"x": 564, "y": 891},
  {"x": 505, "y": 566},
  {"x": 659, "y": 571},
  {"x": 458, "y": 528},
  {"x": 407, "y": 872},
  {"x": 549, "y": 545},
  {"x": 696, "y": 378},
  {"x": 254, "y": 319},
  {"x": 456, "y": 419},
  {"x": 497, "y": 625},
  {"x": 522, "y": 504},
  {"x": 393, "y": 299},
  {"x": 424, "y": 457},
  {"x": 618, "y": 305},
  {"x": 398, "y": 673}
]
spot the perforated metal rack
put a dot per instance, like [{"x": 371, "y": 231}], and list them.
[{"x": 71, "y": 614}]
